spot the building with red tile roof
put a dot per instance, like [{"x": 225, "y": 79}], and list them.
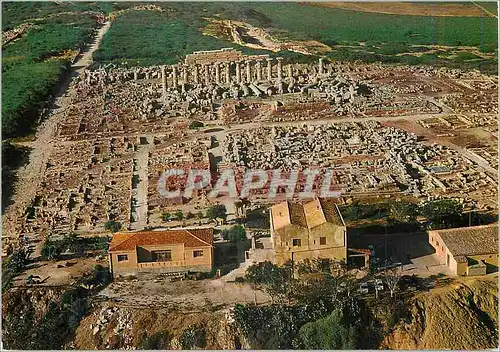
[
  {"x": 467, "y": 250},
  {"x": 161, "y": 251}
]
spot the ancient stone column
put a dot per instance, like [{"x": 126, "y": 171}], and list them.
[
  {"x": 249, "y": 72},
  {"x": 206, "y": 73},
  {"x": 228, "y": 73},
  {"x": 174, "y": 76},
  {"x": 217, "y": 73},
  {"x": 195, "y": 74},
  {"x": 238, "y": 73},
  {"x": 320, "y": 66},
  {"x": 290, "y": 71},
  {"x": 184, "y": 74},
  {"x": 269, "y": 69},
  {"x": 164, "y": 80},
  {"x": 136, "y": 75},
  {"x": 279, "y": 68},
  {"x": 258, "y": 67}
]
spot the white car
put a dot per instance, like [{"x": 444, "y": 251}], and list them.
[
  {"x": 379, "y": 285},
  {"x": 342, "y": 287},
  {"x": 363, "y": 288}
]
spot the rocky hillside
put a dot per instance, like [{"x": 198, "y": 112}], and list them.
[
  {"x": 113, "y": 327},
  {"x": 463, "y": 315}
]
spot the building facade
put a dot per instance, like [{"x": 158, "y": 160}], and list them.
[
  {"x": 467, "y": 250},
  {"x": 161, "y": 251},
  {"x": 307, "y": 231}
]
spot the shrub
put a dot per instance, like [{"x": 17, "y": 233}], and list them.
[
  {"x": 179, "y": 215},
  {"x": 196, "y": 124},
  {"x": 329, "y": 333},
  {"x": 217, "y": 212},
  {"x": 157, "y": 341},
  {"x": 234, "y": 234},
  {"x": 113, "y": 226}
]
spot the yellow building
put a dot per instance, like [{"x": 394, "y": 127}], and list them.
[
  {"x": 161, "y": 251},
  {"x": 311, "y": 230},
  {"x": 467, "y": 250}
]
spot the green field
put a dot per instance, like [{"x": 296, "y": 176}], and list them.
[
  {"x": 147, "y": 38},
  {"x": 32, "y": 70},
  {"x": 343, "y": 26}
]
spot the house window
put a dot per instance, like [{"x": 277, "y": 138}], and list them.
[
  {"x": 198, "y": 253},
  {"x": 122, "y": 257},
  {"x": 296, "y": 242},
  {"x": 162, "y": 256},
  {"x": 322, "y": 241}
]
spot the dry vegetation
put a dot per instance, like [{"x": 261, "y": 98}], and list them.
[{"x": 461, "y": 316}]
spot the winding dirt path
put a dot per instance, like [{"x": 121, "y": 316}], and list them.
[{"x": 30, "y": 175}]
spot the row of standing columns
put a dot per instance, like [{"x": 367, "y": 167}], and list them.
[{"x": 227, "y": 74}]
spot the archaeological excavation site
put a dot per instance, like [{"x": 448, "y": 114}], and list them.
[{"x": 250, "y": 180}]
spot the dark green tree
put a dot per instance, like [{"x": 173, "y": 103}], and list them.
[
  {"x": 234, "y": 234},
  {"x": 217, "y": 211},
  {"x": 329, "y": 333},
  {"x": 402, "y": 211},
  {"x": 179, "y": 215},
  {"x": 442, "y": 213},
  {"x": 113, "y": 226}
]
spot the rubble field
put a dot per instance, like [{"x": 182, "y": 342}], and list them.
[{"x": 385, "y": 130}]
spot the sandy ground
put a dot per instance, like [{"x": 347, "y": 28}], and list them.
[
  {"x": 186, "y": 294},
  {"x": 67, "y": 272}
]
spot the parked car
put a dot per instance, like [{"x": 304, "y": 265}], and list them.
[
  {"x": 342, "y": 287},
  {"x": 363, "y": 288},
  {"x": 379, "y": 285}
]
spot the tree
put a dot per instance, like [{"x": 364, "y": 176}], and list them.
[
  {"x": 352, "y": 212},
  {"x": 195, "y": 125},
  {"x": 392, "y": 277},
  {"x": 402, "y": 211},
  {"x": 442, "y": 213},
  {"x": 217, "y": 211},
  {"x": 234, "y": 234},
  {"x": 274, "y": 279},
  {"x": 113, "y": 226},
  {"x": 179, "y": 215},
  {"x": 18, "y": 259},
  {"x": 166, "y": 216},
  {"x": 50, "y": 250},
  {"x": 329, "y": 333}
]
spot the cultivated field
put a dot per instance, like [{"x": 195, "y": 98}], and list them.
[{"x": 414, "y": 9}]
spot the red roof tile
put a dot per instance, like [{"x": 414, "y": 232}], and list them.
[{"x": 200, "y": 237}]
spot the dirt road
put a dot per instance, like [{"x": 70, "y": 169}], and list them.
[{"x": 30, "y": 176}]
